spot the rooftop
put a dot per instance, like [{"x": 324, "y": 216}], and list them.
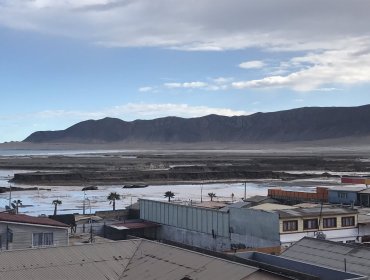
[
  {"x": 315, "y": 211},
  {"x": 331, "y": 254},
  {"x": 347, "y": 189},
  {"x": 272, "y": 207},
  {"x": 133, "y": 225},
  {"x": 239, "y": 204},
  {"x": 130, "y": 259},
  {"x": 366, "y": 190},
  {"x": 25, "y": 219}
]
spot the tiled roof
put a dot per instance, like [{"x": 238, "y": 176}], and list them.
[{"x": 25, "y": 219}]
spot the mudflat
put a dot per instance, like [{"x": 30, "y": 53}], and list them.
[{"x": 99, "y": 165}]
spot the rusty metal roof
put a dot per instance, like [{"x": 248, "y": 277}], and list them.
[
  {"x": 130, "y": 259},
  {"x": 25, "y": 219}
]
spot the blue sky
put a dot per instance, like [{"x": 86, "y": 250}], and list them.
[{"x": 62, "y": 62}]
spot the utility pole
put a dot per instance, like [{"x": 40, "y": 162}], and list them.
[
  {"x": 83, "y": 211},
  {"x": 245, "y": 191},
  {"x": 201, "y": 193},
  {"x": 7, "y": 237},
  {"x": 83, "y": 206},
  {"x": 91, "y": 227},
  {"x": 10, "y": 196}
]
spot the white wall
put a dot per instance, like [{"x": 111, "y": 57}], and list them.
[
  {"x": 22, "y": 235},
  {"x": 341, "y": 235}
]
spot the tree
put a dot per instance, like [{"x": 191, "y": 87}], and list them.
[
  {"x": 56, "y": 202},
  {"x": 16, "y": 204},
  {"x": 169, "y": 195},
  {"x": 211, "y": 195},
  {"x": 112, "y": 197}
]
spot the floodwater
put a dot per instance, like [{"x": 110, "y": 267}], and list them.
[{"x": 40, "y": 201}]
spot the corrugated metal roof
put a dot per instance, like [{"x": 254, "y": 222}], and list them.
[
  {"x": 315, "y": 211},
  {"x": 347, "y": 189},
  {"x": 131, "y": 259},
  {"x": 272, "y": 207},
  {"x": 239, "y": 204},
  {"x": 167, "y": 262},
  {"x": 25, "y": 219},
  {"x": 331, "y": 254}
]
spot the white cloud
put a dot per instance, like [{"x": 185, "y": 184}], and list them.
[
  {"x": 254, "y": 64},
  {"x": 216, "y": 84},
  {"x": 320, "y": 70},
  {"x": 194, "y": 25},
  {"x": 133, "y": 111},
  {"x": 145, "y": 89},
  {"x": 186, "y": 85},
  {"x": 335, "y": 35},
  {"x": 222, "y": 80}
]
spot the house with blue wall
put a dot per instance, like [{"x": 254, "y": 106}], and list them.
[{"x": 345, "y": 195}]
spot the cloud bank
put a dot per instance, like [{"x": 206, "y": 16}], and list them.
[{"x": 333, "y": 35}]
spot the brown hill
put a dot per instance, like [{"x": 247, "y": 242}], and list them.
[{"x": 302, "y": 124}]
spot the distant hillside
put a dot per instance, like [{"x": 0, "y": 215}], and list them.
[{"x": 303, "y": 124}]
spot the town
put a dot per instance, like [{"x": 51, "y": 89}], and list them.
[{"x": 284, "y": 235}]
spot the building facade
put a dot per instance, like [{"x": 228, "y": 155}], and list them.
[
  {"x": 19, "y": 231},
  {"x": 266, "y": 225}
]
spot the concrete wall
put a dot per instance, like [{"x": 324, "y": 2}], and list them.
[
  {"x": 339, "y": 235},
  {"x": 193, "y": 238},
  {"x": 334, "y": 197},
  {"x": 22, "y": 235},
  {"x": 254, "y": 228},
  {"x": 209, "y": 221}
]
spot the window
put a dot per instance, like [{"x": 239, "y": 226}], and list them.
[
  {"x": 310, "y": 224},
  {"x": 329, "y": 222},
  {"x": 348, "y": 221},
  {"x": 290, "y": 225},
  {"x": 342, "y": 195},
  {"x": 42, "y": 239}
]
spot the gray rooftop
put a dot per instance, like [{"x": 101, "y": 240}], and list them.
[
  {"x": 367, "y": 190},
  {"x": 132, "y": 259},
  {"x": 239, "y": 204},
  {"x": 315, "y": 211},
  {"x": 331, "y": 254},
  {"x": 347, "y": 189}
]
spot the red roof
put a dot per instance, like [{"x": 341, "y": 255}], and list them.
[{"x": 25, "y": 219}]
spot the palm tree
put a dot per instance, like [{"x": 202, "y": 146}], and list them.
[
  {"x": 16, "y": 204},
  {"x": 169, "y": 194},
  {"x": 112, "y": 197},
  {"x": 211, "y": 195},
  {"x": 56, "y": 202}
]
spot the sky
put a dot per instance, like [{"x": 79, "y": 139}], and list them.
[{"x": 65, "y": 61}]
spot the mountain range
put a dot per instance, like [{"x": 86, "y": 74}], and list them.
[{"x": 302, "y": 124}]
